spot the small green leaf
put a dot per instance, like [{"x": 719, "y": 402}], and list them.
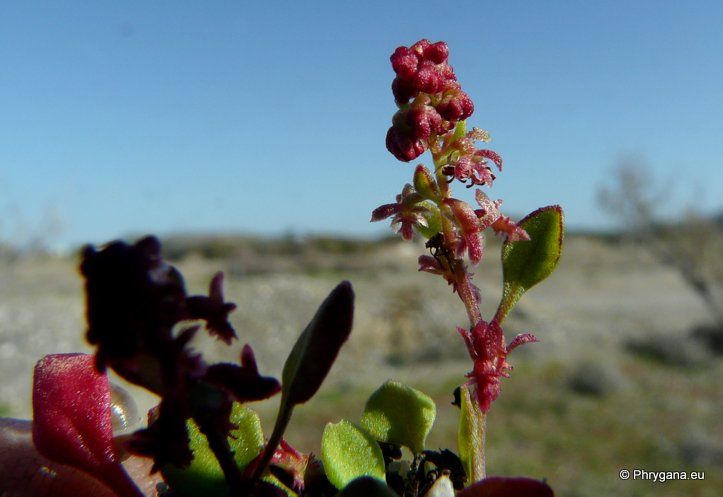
[
  {"x": 424, "y": 183},
  {"x": 400, "y": 415},
  {"x": 431, "y": 215},
  {"x": 367, "y": 487},
  {"x": 470, "y": 438},
  {"x": 526, "y": 263},
  {"x": 349, "y": 452},
  {"x": 204, "y": 476}
]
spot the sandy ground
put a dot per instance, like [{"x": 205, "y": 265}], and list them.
[{"x": 599, "y": 297}]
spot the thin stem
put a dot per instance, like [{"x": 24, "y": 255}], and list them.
[
  {"x": 472, "y": 435},
  {"x": 468, "y": 293},
  {"x": 478, "y": 418},
  {"x": 282, "y": 420},
  {"x": 221, "y": 449}
]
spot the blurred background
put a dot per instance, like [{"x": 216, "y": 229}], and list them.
[{"x": 250, "y": 138}]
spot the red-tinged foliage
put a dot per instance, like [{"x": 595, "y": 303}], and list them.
[
  {"x": 497, "y": 486},
  {"x": 72, "y": 419}
]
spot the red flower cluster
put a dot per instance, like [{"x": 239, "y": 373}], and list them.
[
  {"x": 486, "y": 345},
  {"x": 437, "y": 100}
]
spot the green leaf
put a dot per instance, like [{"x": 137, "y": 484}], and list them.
[
  {"x": 431, "y": 214},
  {"x": 424, "y": 183},
  {"x": 400, "y": 415},
  {"x": 316, "y": 349},
  {"x": 204, "y": 476},
  {"x": 367, "y": 487},
  {"x": 349, "y": 452},
  {"x": 470, "y": 438},
  {"x": 526, "y": 263},
  {"x": 311, "y": 359}
]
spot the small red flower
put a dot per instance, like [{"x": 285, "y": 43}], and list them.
[
  {"x": 471, "y": 229},
  {"x": 489, "y": 216},
  {"x": 406, "y": 213},
  {"x": 486, "y": 346}
]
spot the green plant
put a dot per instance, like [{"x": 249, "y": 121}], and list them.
[
  {"x": 431, "y": 116},
  {"x": 205, "y": 441}
]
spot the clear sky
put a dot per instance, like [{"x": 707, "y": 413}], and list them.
[{"x": 270, "y": 117}]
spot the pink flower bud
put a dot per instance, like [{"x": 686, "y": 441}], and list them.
[
  {"x": 404, "y": 62},
  {"x": 457, "y": 107},
  {"x": 421, "y": 46},
  {"x": 402, "y": 146},
  {"x": 428, "y": 79},
  {"x": 403, "y": 90},
  {"x": 437, "y": 52}
]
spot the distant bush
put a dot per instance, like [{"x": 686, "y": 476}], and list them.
[
  {"x": 710, "y": 336},
  {"x": 229, "y": 245},
  {"x": 701, "y": 449},
  {"x": 595, "y": 378},
  {"x": 678, "y": 350}
]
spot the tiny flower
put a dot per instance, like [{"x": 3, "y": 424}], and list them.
[
  {"x": 437, "y": 52},
  {"x": 489, "y": 211},
  {"x": 471, "y": 229},
  {"x": 292, "y": 462},
  {"x": 428, "y": 78},
  {"x": 404, "y": 62},
  {"x": 508, "y": 230},
  {"x": 406, "y": 214},
  {"x": 489, "y": 215},
  {"x": 456, "y": 106},
  {"x": 403, "y": 146},
  {"x": 486, "y": 346},
  {"x": 472, "y": 164},
  {"x": 430, "y": 264}
]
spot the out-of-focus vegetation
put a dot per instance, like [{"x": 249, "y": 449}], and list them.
[
  {"x": 248, "y": 255},
  {"x": 686, "y": 240},
  {"x": 630, "y": 413},
  {"x": 608, "y": 387}
]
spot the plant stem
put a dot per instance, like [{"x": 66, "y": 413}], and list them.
[
  {"x": 468, "y": 293},
  {"x": 474, "y": 422},
  {"x": 221, "y": 449},
  {"x": 282, "y": 420}
]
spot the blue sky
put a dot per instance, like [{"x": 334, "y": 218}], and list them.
[{"x": 270, "y": 117}]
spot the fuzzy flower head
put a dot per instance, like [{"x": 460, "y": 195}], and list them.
[{"x": 430, "y": 100}]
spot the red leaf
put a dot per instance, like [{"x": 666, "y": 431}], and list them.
[
  {"x": 72, "y": 419},
  {"x": 498, "y": 486}
]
